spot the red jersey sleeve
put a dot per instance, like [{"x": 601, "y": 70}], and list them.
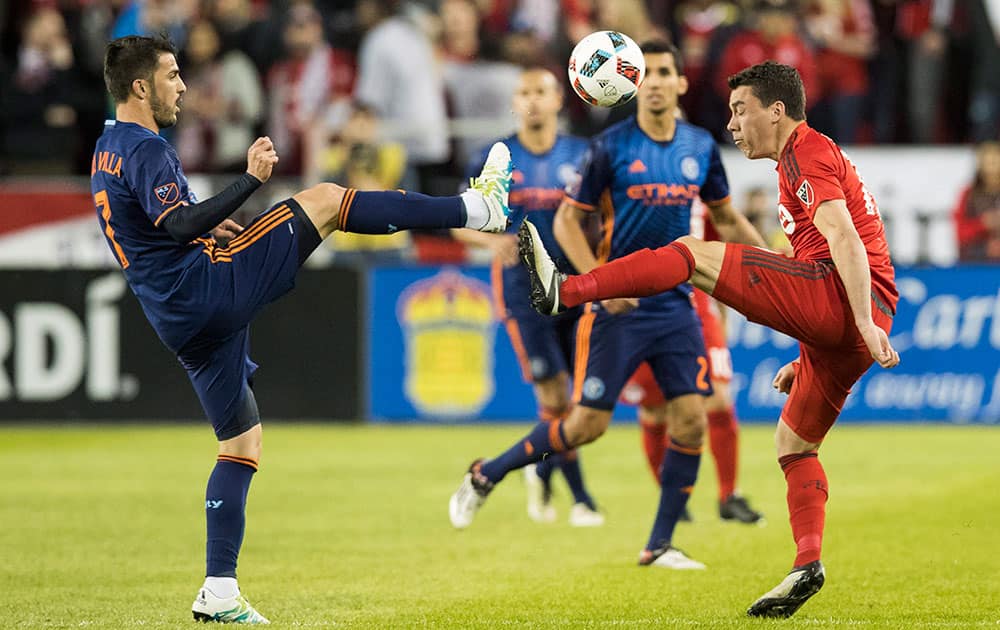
[{"x": 814, "y": 175}]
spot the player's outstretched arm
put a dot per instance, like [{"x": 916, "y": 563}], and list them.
[
  {"x": 732, "y": 226},
  {"x": 568, "y": 229},
  {"x": 188, "y": 222},
  {"x": 833, "y": 220}
]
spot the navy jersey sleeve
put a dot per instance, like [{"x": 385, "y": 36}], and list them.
[
  {"x": 155, "y": 177},
  {"x": 716, "y": 186},
  {"x": 595, "y": 177}
]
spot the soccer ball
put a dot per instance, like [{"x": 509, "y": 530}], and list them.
[{"x": 606, "y": 68}]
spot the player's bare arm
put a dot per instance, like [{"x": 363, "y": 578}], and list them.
[
  {"x": 833, "y": 221},
  {"x": 568, "y": 228},
  {"x": 733, "y": 227}
]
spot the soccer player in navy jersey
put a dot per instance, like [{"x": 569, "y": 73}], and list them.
[
  {"x": 836, "y": 295},
  {"x": 642, "y": 176},
  {"x": 201, "y": 278},
  {"x": 545, "y": 162}
]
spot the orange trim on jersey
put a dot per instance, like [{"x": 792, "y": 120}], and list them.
[
  {"x": 684, "y": 449},
  {"x": 257, "y": 231},
  {"x": 246, "y": 461},
  {"x": 554, "y": 439},
  {"x": 608, "y": 219},
  {"x": 713, "y": 204},
  {"x": 586, "y": 207},
  {"x": 582, "y": 353},
  {"x": 163, "y": 214},
  {"x": 345, "y": 207}
]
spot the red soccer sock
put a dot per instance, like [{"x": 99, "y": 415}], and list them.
[
  {"x": 807, "y": 494},
  {"x": 654, "y": 443},
  {"x": 723, "y": 440},
  {"x": 642, "y": 273}
]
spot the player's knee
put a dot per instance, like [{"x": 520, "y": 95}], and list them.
[
  {"x": 248, "y": 444},
  {"x": 787, "y": 442},
  {"x": 585, "y": 425},
  {"x": 321, "y": 203},
  {"x": 688, "y": 428},
  {"x": 656, "y": 414}
]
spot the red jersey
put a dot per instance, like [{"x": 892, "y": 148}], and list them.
[{"x": 813, "y": 169}]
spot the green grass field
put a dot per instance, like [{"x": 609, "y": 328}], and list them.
[{"x": 348, "y": 526}]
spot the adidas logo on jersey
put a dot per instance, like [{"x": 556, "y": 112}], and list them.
[{"x": 637, "y": 167}]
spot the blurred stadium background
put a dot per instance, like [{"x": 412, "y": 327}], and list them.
[
  {"x": 380, "y": 94},
  {"x": 400, "y": 94}
]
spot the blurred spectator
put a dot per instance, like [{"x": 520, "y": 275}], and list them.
[
  {"x": 37, "y": 100},
  {"x": 627, "y": 16},
  {"x": 242, "y": 27},
  {"x": 771, "y": 33},
  {"x": 984, "y": 101},
  {"x": 843, "y": 32},
  {"x": 698, "y": 22},
  {"x": 222, "y": 106},
  {"x": 478, "y": 90},
  {"x": 399, "y": 77},
  {"x": 923, "y": 26},
  {"x": 977, "y": 215},
  {"x": 356, "y": 159},
  {"x": 303, "y": 84},
  {"x": 150, "y": 17},
  {"x": 539, "y": 17}
]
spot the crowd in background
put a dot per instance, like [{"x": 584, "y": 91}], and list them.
[{"x": 386, "y": 94}]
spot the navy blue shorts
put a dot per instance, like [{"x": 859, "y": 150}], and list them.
[
  {"x": 251, "y": 271},
  {"x": 609, "y": 348},
  {"x": 544, "y": 345}
]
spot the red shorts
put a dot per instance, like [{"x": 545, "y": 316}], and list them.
[
  {"x": 805, "y": 300},
  {"x": 641, "y": 388}
]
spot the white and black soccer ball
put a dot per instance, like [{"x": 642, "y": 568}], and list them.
[{"x": 606, "y": 68}]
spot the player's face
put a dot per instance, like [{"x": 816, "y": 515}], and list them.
[
  {"x": 537, "y": 98},
  {"x": 662, "y": 85},
  {"x": 751, "y": 124},
  {"x": 166, "y": 91}
]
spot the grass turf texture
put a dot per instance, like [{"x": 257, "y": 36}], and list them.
[{"x": 348, "y": 526}]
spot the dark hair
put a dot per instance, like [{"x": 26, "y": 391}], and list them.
[
  {"x": 771, "y": 82},
  {"x": 129, "y": 58},
  {"x": 659, "y": 45}
]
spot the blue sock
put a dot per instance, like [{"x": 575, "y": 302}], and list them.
[
  {"x": 225, "y": 502},
  {"x": 569, "y": 464},
  {"x": 545, "y": 438},
  {"x": 677, "y": 477},
  {"x": 386, "y": 212},
  {"x": 546, "y": 465}
]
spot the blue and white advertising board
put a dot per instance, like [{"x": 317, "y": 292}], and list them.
[{"x": 436, "y": 352}]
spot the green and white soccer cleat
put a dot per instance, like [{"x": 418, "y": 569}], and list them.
[
  {"x": 493, "y": 184},
  {"x": 207, "y": 607}
]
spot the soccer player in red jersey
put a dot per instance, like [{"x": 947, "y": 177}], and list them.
[{"x": 836, "y": 295}]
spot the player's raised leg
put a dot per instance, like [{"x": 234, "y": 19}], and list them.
[{"x": 482, "y": 207}]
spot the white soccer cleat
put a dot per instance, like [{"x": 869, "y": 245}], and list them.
[
  {"x": 545, "y": 277},
  {"x": 793, "y": 591},
  {"x": 540, "y": 509},
  {"x": 580, "y": 515},
  {"x": 493, "y": 184},
  {"x": 469, "y": 497},
  {"x": 207, "y": 607},
  {"x": 669, "y": 558}
]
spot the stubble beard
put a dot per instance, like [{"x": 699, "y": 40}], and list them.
[{"x": 163, "y": 114}]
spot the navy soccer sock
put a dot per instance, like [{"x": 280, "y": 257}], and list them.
[
  {"x": 225, "y": 504},
  {"x": 546, "y": 465},
  {"x": 677, "y": 477},
  {"x": 386, "y": 212},
  {"x": 569, "y": 464},
  {"x": 544, "y": 438}
]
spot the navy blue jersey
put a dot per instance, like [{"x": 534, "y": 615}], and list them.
[
  {"x": 136, "y": 179},
  {"x": 537, "y": 187},
  {"x": 644, "y": 190}
]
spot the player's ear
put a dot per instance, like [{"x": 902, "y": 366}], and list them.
[
  {"x": 682, "y": 85},
  {"x": 139, "y": 88},
  {"x": 777, "y": 110}
]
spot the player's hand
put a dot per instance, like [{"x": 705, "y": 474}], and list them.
[
  {"x": 619, "y": 306},
  {"x": 504, "y": 248},
  {"x": 785, "y": 377},
  {"x": 878, "y": 345},
  {"x": 226, "y": 231},
  {"x": 261, "y": 158}
]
